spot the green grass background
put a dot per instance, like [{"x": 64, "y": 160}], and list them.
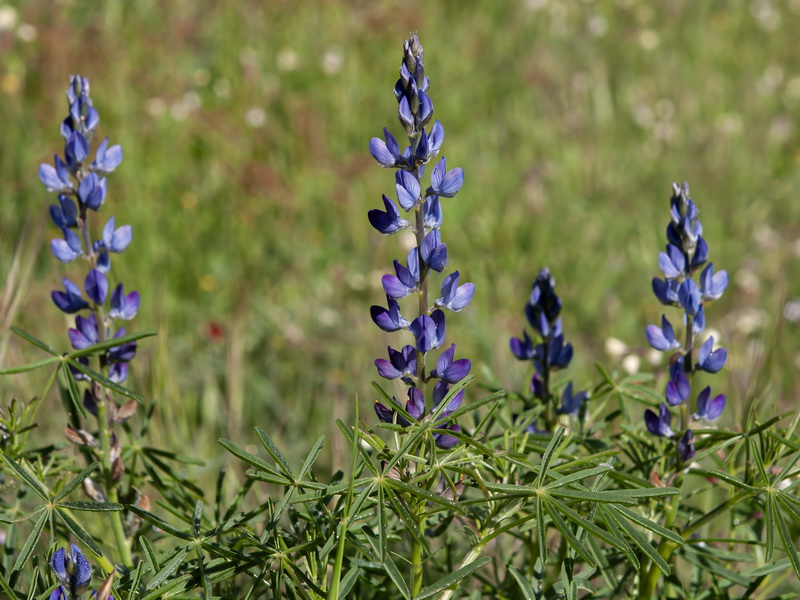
[{"x": 247, "y": 179}]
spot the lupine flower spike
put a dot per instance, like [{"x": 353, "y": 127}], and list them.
[
  {"x": 686, "y": 253},
  {"x": 415, "y": 112},
  {"x": 549, "y": 355}
]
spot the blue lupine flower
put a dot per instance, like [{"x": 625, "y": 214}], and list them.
[
  {"x": 523, "y": 347},
  {"x": 65, "y": 213},
  {"x": 96, "y": 286},
  {"x": 114, "y": 239},
  {"x": 440, "y": 391},
  {"x": 571, "y": 403},
  {"x": 71, "y": 570},
  {"x": 388, "y": 222},
  {"x": 537, "y": 387},
  {"x": 666, "y": 291},
  {"x": 92, "y": 191},
  {"x": 432, "y": 213},
  {"x": 662, "y": 338},
  {"x": 119, "y": 357},
  {"x": 554, "y": 354},
  {"x": 659, "y": 424},
  {"x": 435, "y": 139},
  {"x": 75, "y": 151},
  {"x": 106, "y": 159},
  {"x": 443, "y": 182},
  {"x": 386, "y": 153},
  {"x": 699, "y": 321},
  {"x": 389, "y": 319},
  {"x": 433, "y": 251},
  {"x": 69, "y": 248},
  {"x": 408, "y": 189},
  {"x": 455, "y": 297},
  {"x": 700, "y": 254},
  {"x": 58, "y": 594},
  {"x": 709, "y": 409},
  {"x": 56, "y": 179},
  {"x": 449, "y": 370},
  {"x": 123, "y": 306},
  {"x": 689, "y": 297},
  {"x": 407, "y": 278},
  {"x": 85, "y": 332},
  {"x": 712, "y": 286},
  {"x": 401, "y": 363},
  {"x": 445, "y": 441},
  {"x": 428, "y": 331},
  {"x": 69, "y": 301},
  {"x": 672, "y": 262},
  {"x": 711, "y": 361},
  {"x": 686, "y": 449},
  {"x": 678, "y": 389}
]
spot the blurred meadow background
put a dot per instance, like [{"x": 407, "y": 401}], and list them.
[{"x": 247, "y": 179}]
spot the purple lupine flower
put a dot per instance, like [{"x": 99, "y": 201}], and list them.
[
  {"x": 56, "y": 178},
  {"x": 407, "y": 278},
  {"x": 712, "y": 285},
  {"x": 123, "y": 306},
  {"x": 65, "y": 213},
  {"x": 711, "y": 361},
  {"x": 689, "y": 297},
  {"x": 666, "y": 291},
  {"x": 443, "y": 182},
  {"x": 659, "y": 424},
  {"x": 106, "y": 159},
  {"x": 433, "y": 251},
  {"x": 432, "y": 213},
  {"x": 455, "y": 297},
  {"x": 71, "y": 570},
  {"x": 407, "y": 187},
  {"x": 571, "y": 403},
  {"x": 401, "y": 363},
  {"x": 92, "y": 191},
  {"x": 415, "y": 112},
  {"x": 388, "y": 222},
  {"x": 537, "y": 387},
  {"x": 449, "y": 370},
  {"x": 440, "y": 391},
  {"x": 428, "y": 331},
  {"x": 686, "y": 449},
  {"x": 678, "y": 389},
  {"x": 69, "y": 301},
  {"x": 662, "y": 338},
  {"x": 75, "y": 151},
  {"x": 387, "y": 153},
  {"x": 85, "y": 332},
  {"x": 389, "y": 319},
  {"x": 96, "y": 287},
  {"x": 709, "y": 409},
  {"x": 69, "y": 248},
  {"x": 672, "y": 262},
  {"x": 114, "y": 239},
  {"x": 445, "y": 441},
  {"x": 554, "y": 354},
  {"x": 522, "y": 347},
  {"x": 58, "y": 594}
]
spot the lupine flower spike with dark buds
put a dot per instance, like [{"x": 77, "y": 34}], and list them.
[
  {"x": 424, "y": 208},
  {"x": 549, "y": 355},
  {"x": 685, "y": 257}
]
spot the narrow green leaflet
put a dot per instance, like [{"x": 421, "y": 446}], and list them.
[
  {"x": 451, "y": 579},
  {"x": 36, "y": 342},
  {"x": 312, "y": 457},
  {"x": 770, "y": 525},
  {"x": 547, "y": 457},
  {"x": 27, "y": 549},
  {"x": 274, "y": 452},
  {"x": 524, "y": 585},
  {"x": 394, "y": 574},
  {"x": 112, "y": 343},
  {"x": 79, "y": 532},
  {"x": 788, "y": 542},
  {"x": 252, "y": 459},
  {"x": 159, "y": 522},
  {"x": 169, "y": 567},
  {"x": 20, "y": 472},
  {"x": 92, "y": 506},
  {"x": 76, "y": 481},
  {"x": 103, "y": 380},
  {"x": 609, "y": 512},
  {"x": 553, "y": 507},
  {"x": 31, "y": 366}
]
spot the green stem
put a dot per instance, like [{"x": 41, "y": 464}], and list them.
[
  {"x": 416, "y": 551},
  {"x": 111, "y": 488}
]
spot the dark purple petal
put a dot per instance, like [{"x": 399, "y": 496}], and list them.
[
  {"x": 659, "y": 424},
  {"x": 123, "y": 306},
  {"x": 522, "y": 348},
  {"x": 70, "y": 301},
  {"x": 711, "y": 361},
  {"x": 96, "y": 286},
  {"x": 444, "y": 441},
  {"x": 686, "y": 449},
  {"x": 416, "y": 403},
  {"x": 666, "y": 291}
]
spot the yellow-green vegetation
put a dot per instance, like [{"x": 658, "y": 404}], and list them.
[{"x": 247, "y": 180}]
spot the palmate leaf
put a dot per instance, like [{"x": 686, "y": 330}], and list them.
[
  {"x": 274, "y": 452},
  {"x": 610, "y": 512},
  {"x": 38, "y": 364},
  {"x": 552, "y": 507}
]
